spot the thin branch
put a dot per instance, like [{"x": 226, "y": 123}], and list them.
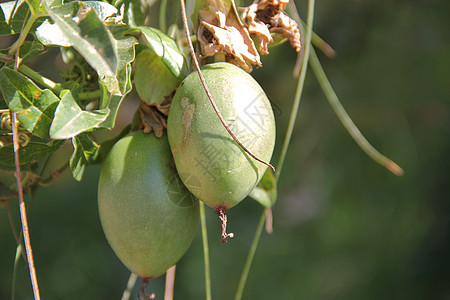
[
  {"x": 197, "y": 66},
  {"x": 23, "y": 34},
  {"x": 205, "y": 251},
  {"x": 347, "y": 121},
  {"x": 170, "y": 283},
  {"x": 13, "y": 228},
  {"x": 130, "y": 286},
  {"x": 259, "y": 229},
  {"x": 298, "y": 92},
  {"x": 316, "y": 40},
  {"x": 19, "y": 250},
  {"x": 54, "y": 87},
  {"x": 90, "y": 95},
  {"x": 251, "y": 255},
  {"x": 23, "y": 212}
]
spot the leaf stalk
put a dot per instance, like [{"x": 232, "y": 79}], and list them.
[
  {"x": 298, "y": 92},
  {"x": 347, "y": 122}
]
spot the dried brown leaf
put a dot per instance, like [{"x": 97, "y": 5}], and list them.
[
  {"x": 267, "y": 17},
  {"x": 222, "y": 32},
  {"x": 152, "y": 119}
]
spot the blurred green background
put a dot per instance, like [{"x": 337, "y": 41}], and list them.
[{"x": 344, "y": 227}]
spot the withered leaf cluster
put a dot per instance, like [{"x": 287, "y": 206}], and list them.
[
  {"x": 221, "y": 31},
  {"x": 268, "y": 17}
]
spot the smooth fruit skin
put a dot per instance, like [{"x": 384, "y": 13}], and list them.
[
  {"x": 210, "y": 163},
  {"x": 152, "y": 79},
  {"x": 148, "y": 216}
]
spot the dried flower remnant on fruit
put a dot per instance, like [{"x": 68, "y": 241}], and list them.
[
  {"x": 223, "y": 218},
  {"x": 152, "y": 119},
  {"x": 267, "y": 17},
  {"x": 221, "y": 31}
]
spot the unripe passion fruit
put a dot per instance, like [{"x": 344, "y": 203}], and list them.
[
  {"x": 210, "y": 163},
  {"x": 148, "y": 216},
  {"x": 152, "y": 78}
]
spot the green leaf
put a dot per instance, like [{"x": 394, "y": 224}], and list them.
[
  {"x": 134, "y": 12},
  {"x": 29, "y": 153},
  {"x": 112, "y": 102},
  {"x": 70, "y": 120},
  {"x": 34, "y": 107},
  {"x": 104, "y": 48},
  {"x": 12, "y": 17},
  {"x": 51, "y": 35},
  {"x": 164, "y": 46},
  {"x": 85, "y": 153},
  {"x": 30, "y": 50},
  {"x": 266, "y": 190}
]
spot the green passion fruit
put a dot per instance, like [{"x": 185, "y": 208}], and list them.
[
  {"x": 152, "y": 78},
  {"x": 210, "y": 163},
  {"x": 148, "y": 216}
]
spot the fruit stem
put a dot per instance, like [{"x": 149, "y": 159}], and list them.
[
  {"x": 223, "y": 218},
  {"x": 197, "y": 66},
  {"x": 205, "y": 251},
  {"x": 170, "y": 283},
  {"x": 269, "y": 220}
]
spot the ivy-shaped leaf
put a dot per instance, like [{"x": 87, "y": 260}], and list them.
[
  {"x": 50, "y": 34},
  {"x": 29, "y": 153},
  {"x": 85, "y": 153},
  {"x": 34, "y": 107},
  {"x": 70, "y": 120},
  {"x": 164, "y": 46},
  {"x": 107, "y": 53},
  {"x": 13, "y": 14},
  {"x": 266, "y": 190}
]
